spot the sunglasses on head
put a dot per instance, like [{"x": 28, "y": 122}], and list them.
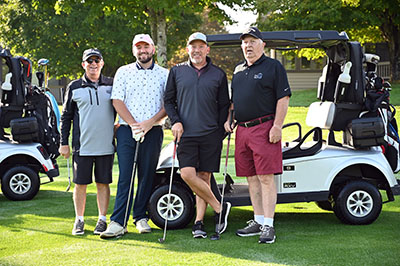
[{"x": 91, "y": 60}]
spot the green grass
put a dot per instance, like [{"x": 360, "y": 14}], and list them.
[{"x": 38, "y": 232}]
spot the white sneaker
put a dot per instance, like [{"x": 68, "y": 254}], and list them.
[
  {"x": 142, "y": 226},
  {"x": 114, "y": 229}
]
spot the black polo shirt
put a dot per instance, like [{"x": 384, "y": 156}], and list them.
[
  {"x": 199, "y": 99},
  {"x": 257, "y": 88}
]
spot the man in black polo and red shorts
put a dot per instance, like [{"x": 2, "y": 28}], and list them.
[{"x": 260, "y": 95}]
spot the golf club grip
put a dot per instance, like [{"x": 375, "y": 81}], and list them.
[
  {"x": 174, "y": 153},
  {"x": 231, "y": 116}
]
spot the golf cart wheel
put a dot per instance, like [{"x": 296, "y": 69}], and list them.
[
  {"x": 181, "y": 203},
  {"x": 325, "y": 205},
  {"x": 20, "y": 183},
  {"x": 358, "y": 203}
]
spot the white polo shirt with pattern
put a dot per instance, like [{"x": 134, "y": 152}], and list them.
[{"x": 142, "y": 90}]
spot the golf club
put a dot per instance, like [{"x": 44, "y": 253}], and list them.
[
  {"x": 161, "y": 240},
  {"x": 69, "y": 176},
  {"x": 44, "y": 62},
  {"x": 217, "y": 235},
  {"x": 132, "y": 180}
]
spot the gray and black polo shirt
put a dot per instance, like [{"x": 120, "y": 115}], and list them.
[{"x": 88, "y": 105}]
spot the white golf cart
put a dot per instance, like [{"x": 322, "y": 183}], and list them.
[
  {"x": 30, "y": 146},
  {"x": 344, "y": 177},
  {"x": 20, "y": 166}
]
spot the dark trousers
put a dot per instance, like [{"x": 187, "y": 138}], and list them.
[{"x": 149, "y": 152}]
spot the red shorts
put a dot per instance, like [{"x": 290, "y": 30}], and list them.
[{"x": 254, "y": 154}]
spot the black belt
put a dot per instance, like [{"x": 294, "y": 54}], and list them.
[{"x": 256, "y": 121}]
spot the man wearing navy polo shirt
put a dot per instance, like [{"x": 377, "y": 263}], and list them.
[{"x": 260, "y": 96}]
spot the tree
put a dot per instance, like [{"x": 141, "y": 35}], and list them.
[
  {"x": 40, "y": 29},
  {"x": 60, "y": 30},
  {"x": 169, "y": 18},
  {"x": 365, "y": 21}
]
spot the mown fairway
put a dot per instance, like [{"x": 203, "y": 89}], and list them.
[{"x": 38, "y": 232}]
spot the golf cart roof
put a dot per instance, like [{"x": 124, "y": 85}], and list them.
[{"x": 285, "y": 39}]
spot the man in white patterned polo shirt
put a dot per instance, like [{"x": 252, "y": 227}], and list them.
[{"x": 137, "y": 95}]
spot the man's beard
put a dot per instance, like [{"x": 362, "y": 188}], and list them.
[{"x": 145, "y": 59}]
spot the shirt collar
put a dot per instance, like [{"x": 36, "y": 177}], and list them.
[
  {"x": 88, "y": 82},
  {"x": 208, "y": 60},
  {"x": 139, "y": 67},
  {"x": 259, "y": 60}
]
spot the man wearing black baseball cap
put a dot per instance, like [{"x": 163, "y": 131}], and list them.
[
  {"x": 88, "y": 101},
  {"x": 91, "y": 52},
  {"x": 260, "y": 96},
  {"x": 251, "y": 31}
]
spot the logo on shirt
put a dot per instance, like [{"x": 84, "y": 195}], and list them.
[{"x": 258, "y": 76}]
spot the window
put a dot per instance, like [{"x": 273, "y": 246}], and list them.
[{"x": 292, "y": 62}]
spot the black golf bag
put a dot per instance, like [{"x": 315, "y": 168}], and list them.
[
  {"x": 361, "y": 101},
  {"x": 24, "y": 108}
]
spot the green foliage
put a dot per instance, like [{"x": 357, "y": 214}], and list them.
[{"x": 61, "y": 33}]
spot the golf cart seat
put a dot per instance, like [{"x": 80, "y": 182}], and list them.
[
  {"x": 302, "y": 148},
  {"x": 320, "y": 116}
]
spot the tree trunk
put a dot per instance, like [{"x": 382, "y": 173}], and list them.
[
  {"x": 391, "y": 32},
  {"x": 161, "y": 39},
  {"x": 153, "y": 25}
]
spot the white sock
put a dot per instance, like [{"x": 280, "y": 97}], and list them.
[
  {"x": 259, "y": 219},
  {"x": 79, "y": 218},
  {"x": 103, "y": 218},
  {"x": 269, "y": 221}
]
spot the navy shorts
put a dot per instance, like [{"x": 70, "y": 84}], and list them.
[
  {"x": 83, "y": 169},
  {"x": 202, "y": 153}
]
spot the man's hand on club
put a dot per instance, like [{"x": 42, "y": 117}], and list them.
[
  {"x": 137, "y": 133},
  {"x": 229, "y": 126},
  {"x": 177, "y": 131},
  {"x": 64, "y": 150}
]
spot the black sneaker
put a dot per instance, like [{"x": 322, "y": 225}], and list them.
[
  {"x": 78, "y": 228},
  {"x": 267, "y": 234},
  {"x": 198, "y": 230},
  {"x": 220, "y": 228},
  {"x": 252, "y": 229},
  {"x": 101, "y": 226}
]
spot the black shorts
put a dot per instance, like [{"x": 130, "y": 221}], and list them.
[
  {"x": 83, "y": 169},
  {"x": 202, "y": 153}
]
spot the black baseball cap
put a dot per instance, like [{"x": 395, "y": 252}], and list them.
[
  {"x": 91, "y": 52},
  {"x": 252, "y": 31}
]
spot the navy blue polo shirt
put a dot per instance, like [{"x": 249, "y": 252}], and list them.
[{"x": 257, "y": 88}]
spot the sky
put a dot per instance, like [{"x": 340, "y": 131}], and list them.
[{"x": 244, "y": 18}]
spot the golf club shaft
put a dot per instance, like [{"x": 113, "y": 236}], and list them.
[
  {"x": 132, "y": 180},
  {"x": 69, "y": 175},
  {"x": 225, "y": 172},
  {"x": 169, "y": 190},
  {"x": 223, "y": 185},
  {"x": 45, "y": 77}
]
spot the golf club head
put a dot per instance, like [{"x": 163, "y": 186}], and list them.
[
  {"x": 216, "y": 236},
  {"x": 40, "y": 77},
  {"x": 69, "y": 186},
  {"x": 161, "y": 240},
  {"x": 43, "y": 62}
]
